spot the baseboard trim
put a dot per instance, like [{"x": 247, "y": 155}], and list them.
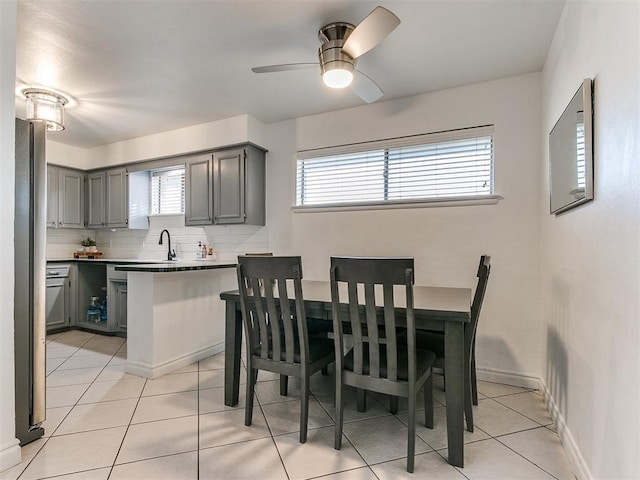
[
  {"x": 508, "y": 378},
  {"x": 531, "y": 381},
  {"x": 154, "y": 371},
  {"x": 570, "y": 447},
  {"x": 10, "y": 455}
]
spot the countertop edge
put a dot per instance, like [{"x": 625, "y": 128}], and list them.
[{"x": 177, "y": 267}]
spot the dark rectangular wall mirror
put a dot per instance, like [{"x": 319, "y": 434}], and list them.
[{"x": 571, "y": 153}]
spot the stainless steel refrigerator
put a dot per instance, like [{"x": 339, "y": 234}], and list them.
[{"x": 30, "y": 279}]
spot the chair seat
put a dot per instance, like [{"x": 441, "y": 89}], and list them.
[
  {"x": 424, "y": 361},
  {"x": 319, "y": 348},
  {"x": 319, "y": 327},
  {"x": 432, "y": 341}
]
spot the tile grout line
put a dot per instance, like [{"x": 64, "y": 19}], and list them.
[
  {"x": 273, "y": 440},
  {"x": 521, "y": 455},
  {"x": 47, "y": 439},
  {"x": 273, "y": 437},
  {"x": 88, "y": 387}
]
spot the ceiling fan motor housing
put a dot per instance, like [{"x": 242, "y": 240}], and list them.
[{"x": 330, "y": 52}]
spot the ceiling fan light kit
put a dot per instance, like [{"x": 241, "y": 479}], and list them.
[
  {"x": 335, "y": 65},
  {"x": 342, "y": 44}
]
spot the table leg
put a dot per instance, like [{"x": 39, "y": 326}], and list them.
[
  {"x": 454, "y": 370},
  {"x": 232, "y": 350}
]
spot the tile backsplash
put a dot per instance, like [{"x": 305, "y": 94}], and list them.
[{"x": 228, "y": 241}]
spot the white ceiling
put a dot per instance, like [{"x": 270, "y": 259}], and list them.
[{"x": 136, "y": 67}]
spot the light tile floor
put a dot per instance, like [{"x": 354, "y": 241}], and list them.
[{"x": 105, "y": 424}]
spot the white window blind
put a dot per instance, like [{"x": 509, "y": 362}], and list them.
[
  {"x": 445, "y": 164},
  {"x": 580, "y": 153},
  {"x": 167, "y": 191}
]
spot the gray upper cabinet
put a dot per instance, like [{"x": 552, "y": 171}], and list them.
[
  {"x": 198, "y": 201},
  {"x": 116, "y": 198},
  {"x": 70, "y": 198},
  {"x": 52, "y": 196},
  {"x": 226, "y": 187},
  {"x": 96, "y": 195},
  {"x": 239, "y": 186},
  {"x": 107, "y": 199}
]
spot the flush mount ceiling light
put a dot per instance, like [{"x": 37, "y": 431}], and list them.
[{"x": 47, "y": 106}]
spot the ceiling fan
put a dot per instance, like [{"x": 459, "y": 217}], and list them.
[{"x": 342, "y": 44}]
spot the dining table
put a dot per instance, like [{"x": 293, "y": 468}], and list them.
[{"x": 443, "y": 309}]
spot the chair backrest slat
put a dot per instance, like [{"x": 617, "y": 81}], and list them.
[
  {"x": 356, "y": 327},
  {"x": 373, "y": 275},
  {"x": 390, "y": 333},
  {"x": 372, "y": 330},
  {"x": 484, "y": 269},
  {"x": 271, "y": 326}
]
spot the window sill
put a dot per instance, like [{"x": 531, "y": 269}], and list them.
[{"x": 436, "y": 202}]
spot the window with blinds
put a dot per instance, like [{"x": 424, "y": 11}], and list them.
[
  {"x": 580, "y": 153},
  {"x": 451, "y": 164},
  {"x": 167, "y": 191}
]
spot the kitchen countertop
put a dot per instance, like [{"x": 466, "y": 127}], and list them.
[
  {"x": 177, "y": 266},
  {"x": 104, "y": 260},
  {"x": 150, "y": 265}
]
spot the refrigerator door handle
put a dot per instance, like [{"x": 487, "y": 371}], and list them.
[{"x": 39, "y": 257}]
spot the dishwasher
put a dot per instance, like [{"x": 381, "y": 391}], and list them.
[{"x": 57, "y": 296}]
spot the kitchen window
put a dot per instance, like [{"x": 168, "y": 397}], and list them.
[
  {"x": 432, "y": 168},
  {"x": 167, "y": 191}
]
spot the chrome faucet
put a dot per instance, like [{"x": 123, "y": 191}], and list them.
[{"x": 171, "y": 254}]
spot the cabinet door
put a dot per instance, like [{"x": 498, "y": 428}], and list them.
[
  {"x": 117, "y": 207},
  {"x": 70, "y": 198},
  {"x": 56, "y": 301},
  {"x": 96, "y": 200},
  {"x": 198, "y": 192},
  {"x": 228, "y": 187},
  {"x": 121, "y": 306},
  {"x": 52, "y": 196}
]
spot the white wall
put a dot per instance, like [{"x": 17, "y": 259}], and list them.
[
  {"x": 204, "y": 136},
  {"x": 446, "y": 241},
  {"x": 66, "y": 155},
  {"x": 9, "y": 449},
  {"x": 591, "y": 255}
]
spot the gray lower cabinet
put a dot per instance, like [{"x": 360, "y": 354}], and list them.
[
  {"x": 58, "y": 296},
  {"x": 91, "y": 282},
  {"x": 69, "y": 295},
  {"x": 65, "y": 197},
  {"x": 226, "y": 187},
  {"x": 117, "y": 300},
  {"x": 121, "y": 306}
]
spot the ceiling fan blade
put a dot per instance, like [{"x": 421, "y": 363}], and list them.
[
  {"x": 370, "y": 32},
  {"x": 283, "y": 67},
  {"x": 366, "y": 88}
]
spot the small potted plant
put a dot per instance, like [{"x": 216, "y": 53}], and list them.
[{"x": 89, "y": 245}]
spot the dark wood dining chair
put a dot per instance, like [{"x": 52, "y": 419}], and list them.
[
  {"x": 378, "y": 364},
  {"x": 434, "y": 341},
  {"x": 275, "y": 325}
]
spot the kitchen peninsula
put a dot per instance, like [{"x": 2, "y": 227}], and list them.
[{"x": 175, "y": 315}]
